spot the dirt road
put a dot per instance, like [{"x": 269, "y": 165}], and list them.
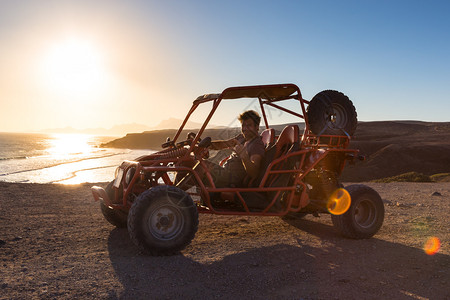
[{"x": 55, "y": 244}]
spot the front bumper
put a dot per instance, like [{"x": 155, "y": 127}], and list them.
[{"x": 100, "y": 194}]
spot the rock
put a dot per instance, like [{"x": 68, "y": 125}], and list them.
[{"x": 436, "y": 194}]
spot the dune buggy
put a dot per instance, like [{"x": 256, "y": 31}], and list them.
[{"x": 300, "y": 174}]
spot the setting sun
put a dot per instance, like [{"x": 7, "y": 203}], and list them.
[{"x": 73, "y": 65}]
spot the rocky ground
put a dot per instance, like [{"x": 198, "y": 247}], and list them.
[{"x": 55, "y": 244}]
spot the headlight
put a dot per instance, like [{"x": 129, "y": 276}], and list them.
[
  {"x": 130, "y": 174},
  {"x": 118, "y": 176}
]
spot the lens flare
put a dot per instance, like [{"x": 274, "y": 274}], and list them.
[
  {"x": 339, "y": 202},
  {"x": 432, "y": 246}
]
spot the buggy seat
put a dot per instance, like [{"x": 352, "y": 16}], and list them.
[
  {"x": 288, "y": 141},
  {"x": 268, "y": 137}
]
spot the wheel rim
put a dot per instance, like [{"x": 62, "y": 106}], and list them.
[
  {"x": 338, "y": 118},
  {"x": 365, "y": 214},
  {"x": 164, "y": 222}
]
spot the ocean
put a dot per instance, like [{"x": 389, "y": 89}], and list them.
[{"x": 60, "y": 158}]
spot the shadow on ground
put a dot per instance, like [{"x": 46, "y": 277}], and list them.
[{"x": 338, "y": 269}]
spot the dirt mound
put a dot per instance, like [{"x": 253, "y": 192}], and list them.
[{"x": 393, "y": 148}]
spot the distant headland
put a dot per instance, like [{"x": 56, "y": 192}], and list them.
[{"x": 391, "y": 147}]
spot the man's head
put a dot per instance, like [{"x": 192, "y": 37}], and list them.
[{"x": 249, "y": 124}]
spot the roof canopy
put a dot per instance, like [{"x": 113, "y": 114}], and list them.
[
  {"x": 273, "y": 91},
  {"x": 260, "y": 91}
]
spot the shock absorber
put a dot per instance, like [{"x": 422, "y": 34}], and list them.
[
  {"x": 328, "y": 183},
  {"x": 174, "y": 153}
]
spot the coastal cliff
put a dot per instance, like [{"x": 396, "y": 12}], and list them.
[{"x": 391, "y": 147}]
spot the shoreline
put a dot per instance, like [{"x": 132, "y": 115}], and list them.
[{"x": 79, "y": 170}]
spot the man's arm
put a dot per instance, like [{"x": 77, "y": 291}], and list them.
[
  {"x": 251, "y": 163},
  {"x": 219, "y": 145},
  {"x": 223, "y": 144}
]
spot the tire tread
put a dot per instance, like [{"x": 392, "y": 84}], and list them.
[
  {"x": 344, "y": 223},
  {"x": 320, "y": 103},
  {"x": 136, "y": 213}
]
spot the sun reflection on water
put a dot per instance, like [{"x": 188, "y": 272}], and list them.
[
  {"x": 69, "y": 152},
  {"x": 63, "y": 145}
]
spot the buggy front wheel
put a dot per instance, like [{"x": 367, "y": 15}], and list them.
[{"x": 162, "y": 220}]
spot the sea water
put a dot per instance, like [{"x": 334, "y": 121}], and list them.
[{"x": 60, "y": 158}]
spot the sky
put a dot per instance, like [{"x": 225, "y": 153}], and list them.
[{"x": 89, "y": 64}]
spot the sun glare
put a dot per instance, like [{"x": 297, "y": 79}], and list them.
[
  {"x": 432, "y": 246},
  {"x": 69, "y": 144},
  {"x": 73, "y": 66},
  {"x": 339, "y": 202}
]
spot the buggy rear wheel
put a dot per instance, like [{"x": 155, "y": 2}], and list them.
[
  {"x": 331, "y": 113},
  {"x": 116, "y": 217},
  {"x": 163, "y": 220},
  {"x": 364, "y": 217}
]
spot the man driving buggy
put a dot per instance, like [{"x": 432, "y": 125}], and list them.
[{"x": 245, "y": 162}]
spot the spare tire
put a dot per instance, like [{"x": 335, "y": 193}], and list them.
[{"x": 331, "y": 113}]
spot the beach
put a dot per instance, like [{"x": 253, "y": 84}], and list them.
[
  {"x": 55, "y": 244},
  {"x": 60, "y": 158}
]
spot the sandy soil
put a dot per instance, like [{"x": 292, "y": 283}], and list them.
[{"x": 55, "y": 244}]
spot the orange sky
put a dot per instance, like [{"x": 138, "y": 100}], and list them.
[{"x": 73, "y": 66}]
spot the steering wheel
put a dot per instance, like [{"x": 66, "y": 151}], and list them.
[
  {"x": 183, "y": 143},
  {"x": 201, "y": 150},
  {"x": 205, "y": 143},
  {"x": 177, "y": 145}
]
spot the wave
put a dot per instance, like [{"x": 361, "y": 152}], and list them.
[
  {"x": 14, "y": 157},
  {"x": 30, "y": 156},
  {"x": 62, "y": 163},
  {"x": 74, "y": 173}
]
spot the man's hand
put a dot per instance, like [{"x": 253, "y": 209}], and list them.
[
  {"x": 251, "y": 164},
  {"x": 240, "y": 150}
]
